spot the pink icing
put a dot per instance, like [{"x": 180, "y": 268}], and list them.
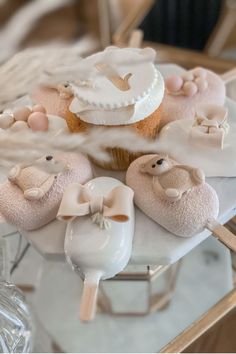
[
  {"x": 175, "y": 107},
  {"x": 31, "y": 215},
  {"x": 188, "y": 84},
  {"x": 185, "y": 217}
]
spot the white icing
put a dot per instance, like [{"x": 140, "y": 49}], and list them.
[
  {"x": 127, "y": 115},
  {"x": 103, "y": 93}
]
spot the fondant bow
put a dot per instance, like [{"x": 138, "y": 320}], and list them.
[
  {"x": 210, "y": 126},
  {"x": 79, "y": 200}
]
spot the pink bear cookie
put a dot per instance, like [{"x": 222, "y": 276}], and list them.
[
  {"x": 31, "y": 197},
  {"x": 185, "y": 215},
  {"x": 170, "y": 180}
]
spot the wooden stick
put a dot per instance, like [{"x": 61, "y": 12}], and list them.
[
  {"x": 88, "y": 301},
  {"x": 223, "y": 235},
  {"x": 136, "y": 39},
  {"x": 131, "y": 21},
  {"x": 229, "y": 75}
]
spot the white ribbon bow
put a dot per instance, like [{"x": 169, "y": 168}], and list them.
[{"x": 79, "y": 200}]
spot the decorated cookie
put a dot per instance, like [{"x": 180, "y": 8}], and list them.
[
  {"x": 98, "y": 241},
  {"x": 31, "y": 197},
  {"x": 170, "y": 180},
  {"x": 184, "y": 92},
  {"x": 196, "y": 206},
  {"x": 184, "y": 216},
  {"x": 207, "y": 141},
  {"x": 210, "y": 126}
]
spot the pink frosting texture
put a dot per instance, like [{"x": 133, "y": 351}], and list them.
[
  {"x": 176, "y": 107},
  {"x": 31, "y": 215},
  {"x": 185, "y": 217},
  {"x": 51, "y": 100}
]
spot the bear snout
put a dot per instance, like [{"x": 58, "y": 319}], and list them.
[{"x": 49, "y": 158}]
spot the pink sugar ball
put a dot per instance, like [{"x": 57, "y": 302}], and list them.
[
  {"x": 188, "y": 76},
  {"x": 6, "y": 121},
  {"x": 38, "y": 108},
  {"x": 19, "y": 125},
  {"x": 38, "y": 121},
  {"x": 201, "y": 84},
  {"x": 21, "y": 113},
  {"x": 190, "y": 89},
  {"x": 200, "y": 72},
  {"x": 174, "y": 83}
]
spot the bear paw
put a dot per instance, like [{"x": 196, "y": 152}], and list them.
[
  {"x": 172, "y": 194},
  {"x": 34, "y": 194},
  {"x": 198, "y": 176},
  {"x": 14, "y": 173}
]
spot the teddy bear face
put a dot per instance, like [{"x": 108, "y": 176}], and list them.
[
  {"x": 36, "y": 180},
  {"x": 157, "y": 165}
]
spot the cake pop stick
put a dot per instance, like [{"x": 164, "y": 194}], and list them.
[
  {"x": 176, "y": 197},
  {"x": 99, "y": 233},
  {"x": 222, "y": 234},
  {"x": 229, "y": 76},
  {"x": 136, "y": 38}
]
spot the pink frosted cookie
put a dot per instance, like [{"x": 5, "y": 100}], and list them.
[
  {"x": 176, "y": 197},
  {"x": 53, "y": 100},
  {"x": 172, "y": 202},
  {"x": 31, "y": 197},
  {"x": 186, "y": 91}
]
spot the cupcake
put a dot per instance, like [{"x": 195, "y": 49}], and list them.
[{"x": 118, "y": 87}]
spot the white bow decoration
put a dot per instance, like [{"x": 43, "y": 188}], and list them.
[{"x": 78, "y": 200}]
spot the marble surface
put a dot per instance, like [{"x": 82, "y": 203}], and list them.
[
  {"x": 205, "y": 277},
  {"x": 152, "y": 244}
]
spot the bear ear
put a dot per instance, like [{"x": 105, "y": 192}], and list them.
[
  {"x": 166, "y": 156},
  {"x": 142, "y": 168},
  {"x": 14, "y": 173}
]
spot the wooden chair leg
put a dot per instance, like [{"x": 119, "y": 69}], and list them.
[{"x": 222, "y": 30}]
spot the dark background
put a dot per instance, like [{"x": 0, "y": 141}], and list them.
[{"x": 181, "y": 23}]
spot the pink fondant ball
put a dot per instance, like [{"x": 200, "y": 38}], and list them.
[
  {"x": 188, "y": 76},
  {"x": 190, "y": 88},
  {"x": 21, "y": 113},
  {"x": 200, "y": 72},
  {"x": 38, "y": 108},
  {"x": 38, "y": 121},
  {"x": 19, "y": 125},
  {"x": 201, "y": 84},
  {"x": 174, "y": 83}
]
